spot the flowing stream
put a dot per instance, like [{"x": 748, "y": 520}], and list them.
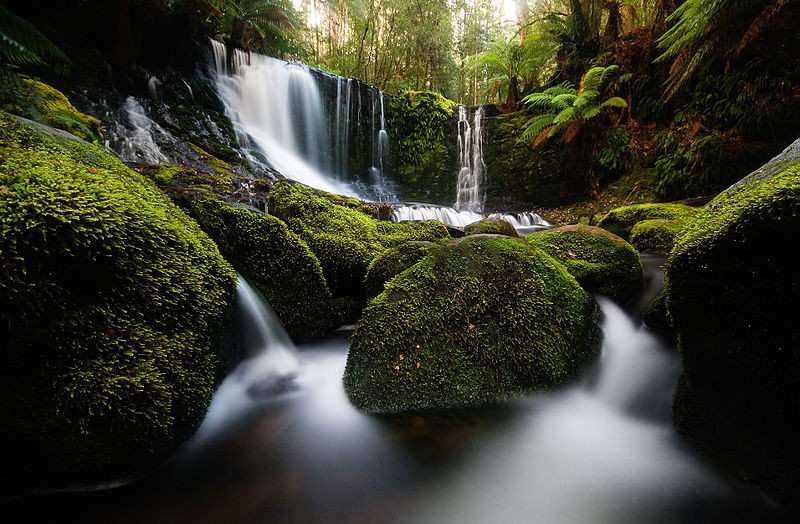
[{"x": 281, "y": 444}]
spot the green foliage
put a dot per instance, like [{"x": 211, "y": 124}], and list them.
[
  {"x": 21, "y": 44},
  {"x": 112, "y": 301},
  {"x": 601, "y": 262},
  {"x": 566, "y": 109},
  {"x": 274, "y": 260},
  {"x": 701, "y": 166},
  {"x": 266, "y": 26},
  {"x": 703, "y": 30},
  {"x": 477, "y": 321},
  {"x": 615, "y": 155}
]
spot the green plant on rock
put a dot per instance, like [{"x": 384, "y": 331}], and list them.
[
  {"x": 692, "y": 164},
  {"x": 577, "y": 116},
  {"x": 265, "y": 26}
]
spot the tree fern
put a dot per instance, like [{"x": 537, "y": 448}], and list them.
[{"x": 22, "y": 44}]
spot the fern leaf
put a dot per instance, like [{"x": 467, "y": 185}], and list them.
[
  {"x": 537, "y": 125},
  {"x": 614, "y": 101}
]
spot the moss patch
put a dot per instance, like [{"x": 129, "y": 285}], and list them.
[
  {"x": 656, "y": 236},
  {"x": 621, "y": 220},
  {"x": 478, "y": 320},
  {"x": 46, "y": 104},
  {"x": 602, "y": 262},
  {"x": 392, "y": 262},
  {"x": 274, "y": 260},
  {"x": 496, "y": 226},
  {"x": 112, "y": 301}
]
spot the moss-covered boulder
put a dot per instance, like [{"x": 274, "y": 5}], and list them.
[
  {"x": 478, "y": 320},
  {"x": 600, "y": 261},
  {"x": 657, "y": 235},
  {"x": 394, "y": 261},
  {"x": 113, "y": 303},
  {"x": 621, "y": 220},
  {"x": 45, "y": 104},
  {"x": 491, "y": 226},
  {"x": 344, "y": 239},
  {"x": 733, "y": 289},
  {"x": 274, "y": 260}
]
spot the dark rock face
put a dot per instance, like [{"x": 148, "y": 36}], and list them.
[{"x": 733, "y": 290}]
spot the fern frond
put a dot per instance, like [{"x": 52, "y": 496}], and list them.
[
  {"x": 536, "y": 125},
  {"x": 538, "y": 100},
  {"x": 614, "y": 101},
  {"x": 563, "y": 101},
  {"x": 22, "y": 44},
  {"x": 565, "y": 115},
  {"x": 758, "y": 25}
]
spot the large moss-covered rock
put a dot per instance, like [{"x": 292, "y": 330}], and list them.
[
  {"x": 621, "y": 220},
  {"x": 112, "y": 305},
  {"x": 602, "y": 262},
  {"x": 274, "y": 260},
  {"x": 344, "y": 239},
  {"x": 733, "y": 289},
  {"x": 478, "y": 320},
  {"x": 394, "y": 261}
]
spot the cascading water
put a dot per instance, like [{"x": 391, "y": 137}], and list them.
[
  {"x": 132, "y": 135},
  {"x": 470, "y": 192},
  {"x": 284, "y": 123},
  {"x": 470, "y": 186}
]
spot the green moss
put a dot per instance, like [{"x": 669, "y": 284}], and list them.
[
  {"x": 478, "y": 320},
  {"x": 656, "y": 318},
  {"x": 600, "y": 261},
  {"x": 161, "y": 174},
  {"x": 220, "y": 167},
  {"x": 657, "y": 235},
  {"x": 43, "y": 103},
  {"x": 274, "y": 260},
  {"x": 112, "y": 301},
  {"x": 621, "y": 220},
  {"x": 345, "y": 240},
  {"x": 491, "y": 226},
  {"x": 732, "y": 294},
  {"x": 419, "y": 122},
  {"x": 392, "y": 262}
]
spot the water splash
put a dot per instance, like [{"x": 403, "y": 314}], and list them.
[{"x": 133, "y": 135}]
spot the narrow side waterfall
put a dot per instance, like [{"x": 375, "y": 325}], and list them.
[
  {"x": 470, "y": 191},
  {"x": 269, "y": 364},
  {"x": 132, "y": 134}
]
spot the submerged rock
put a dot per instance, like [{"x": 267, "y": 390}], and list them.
[
  {"x": 600, "y": 261},
  {"x": 733, "y": 289},
  {"x": 478, "y": 320},
  {"x": 113, "y": 303}
]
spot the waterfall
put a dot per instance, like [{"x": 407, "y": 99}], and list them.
[
  {"x": 470, "y": 193},
  {"x": 281, "y": 113},
  {"x": 523, "y": 222}
]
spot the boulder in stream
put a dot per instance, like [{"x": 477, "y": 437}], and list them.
[{"x": 480, "y": 319}]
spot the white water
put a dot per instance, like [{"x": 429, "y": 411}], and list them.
[
  {"x": 133, "y": 135},
  {"x": 523, "y": 222},
  {"x": 470, "y": 191}
]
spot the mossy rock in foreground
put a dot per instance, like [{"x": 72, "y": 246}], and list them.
[
  {"x": 478, "y": 320},
  {"x": 600, "y": 261},
  {"x": 733, "y": 289},
  {"x": 274, "y": 260},
  {"x": 113, "y": 303},
  {"x": 621, "y": 220}
]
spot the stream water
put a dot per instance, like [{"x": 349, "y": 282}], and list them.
[{"x": 281, "y": 444}]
